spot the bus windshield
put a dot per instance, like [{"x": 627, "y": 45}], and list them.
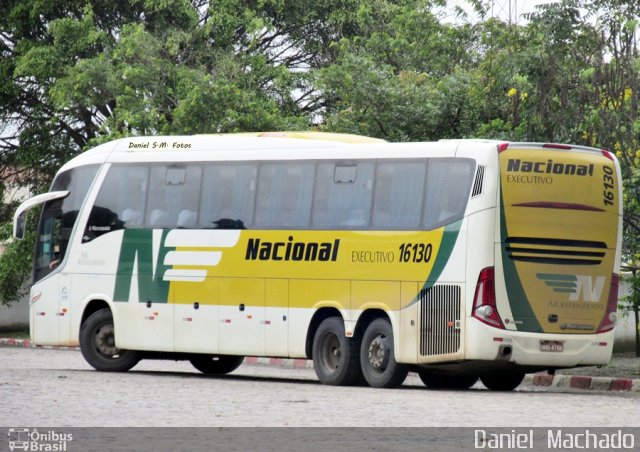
[{"x": 58, "y": 218}]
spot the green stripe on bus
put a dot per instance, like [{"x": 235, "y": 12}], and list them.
[{"x": 523, "y": 315}]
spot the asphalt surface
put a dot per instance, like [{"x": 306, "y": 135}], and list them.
[{"x": 622, "y": 373}]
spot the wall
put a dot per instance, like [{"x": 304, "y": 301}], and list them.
[
  {"x": 625, "y": 336},
  {"x": 16, "y": 316}
]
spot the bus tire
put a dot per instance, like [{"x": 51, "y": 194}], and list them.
[
  {"x": 377, "y": 357},
  {"x": 436, "y": 381},
  {"x": 98, "y": 344},
  {"x": 216, "y": 364},
  {"x": 335, "y": 356},
  {"x": 502, "y": 381}
]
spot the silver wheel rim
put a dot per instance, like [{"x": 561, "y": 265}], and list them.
[
  {"x": 379, "y": 353},
  {"x": 105, "y": 341}
]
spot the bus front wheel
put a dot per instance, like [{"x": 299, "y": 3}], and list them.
[
  {"x": 377, "y": 357},
  {"x": 502, "y": 382},
  {"x": 216, "y": 365},
  {"x": 335, "y": 356},
  {"x": 98, "y": 344}
]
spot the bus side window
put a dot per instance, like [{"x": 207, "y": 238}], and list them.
[
  {"x": 343, "y": 195},
  {"x": 187, "y": 218},
  {"x": 120, "y": 202},
  {"x": 448, "y": 185},
  {"x": 228, "y": 193},
  {"x": 284, "y": 195},
  {"x": 174, "y": 188},
  {"x": 398, "y": 199}
]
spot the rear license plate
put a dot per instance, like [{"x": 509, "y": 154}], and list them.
[{"x": 551, "y": 346}]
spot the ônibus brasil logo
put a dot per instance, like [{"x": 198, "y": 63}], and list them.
[{"x": 28, "y": 439}]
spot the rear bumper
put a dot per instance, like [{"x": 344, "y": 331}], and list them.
[{"x": 523, "y": 348}]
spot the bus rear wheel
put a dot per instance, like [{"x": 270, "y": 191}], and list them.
[
  {"x": 432, "y": 381},
  {"x": 503, "y": 381},
  {"x": 98, "y": 344},
  {"x": 335, "y": 356},
  {"x": 216, "y": 365},
  {"x": 377, "y": 358}
]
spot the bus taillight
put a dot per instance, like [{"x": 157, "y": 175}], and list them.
[
  {"x": 608, "y": 154},
  {"x": 611, "y": 315},
  {"x": 484, "y": 301},
  {"x": 562, "y": 147}
]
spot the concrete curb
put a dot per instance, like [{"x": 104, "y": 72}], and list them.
[
  {"x": 295, "y": 363},
  {"x": 582, "y": 382},
  {"x": 10, "y": 342},
  {"x": 26, "y": 343}
]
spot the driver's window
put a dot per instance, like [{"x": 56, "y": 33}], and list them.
[{"x": 51, "y": 244}]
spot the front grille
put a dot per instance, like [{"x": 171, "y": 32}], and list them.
[
  {"x": 555, "y": 251},
  {"x": 440, "y": 320}
]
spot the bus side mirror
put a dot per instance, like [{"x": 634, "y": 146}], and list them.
[
  {"x": 19, "y": 225},
  {"x": 20, "y": 217}
]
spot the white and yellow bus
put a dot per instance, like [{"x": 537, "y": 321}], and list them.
[{"x": 457, "y": 260}]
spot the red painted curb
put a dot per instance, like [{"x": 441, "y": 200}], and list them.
[
  {"x": 300, "y": 363},
  {"x": 580, "y": 382},
  {"x": 621, "y": 384},
  {"x": 542, "y": 380},
  {"x": 12, "y": 342}
]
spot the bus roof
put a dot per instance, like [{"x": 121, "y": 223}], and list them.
[{"x": 264, "y": 146}]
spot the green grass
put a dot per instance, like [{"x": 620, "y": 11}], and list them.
[{"x": 15, "y": 334}]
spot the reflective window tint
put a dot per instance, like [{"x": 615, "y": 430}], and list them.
[
  {"x": 284, "y": 195},
  {"x": 120, "y": 202},
  {"x": 448, "y": 185},
  {"x": 343, "y": 195},
  {"x": 175, "y": 196},
  {"x": 228, "y": 195},
  {"x": 399, "y": 195},
  {"x": 124, "y": 193},
  {"x": 407, "y": 194}
]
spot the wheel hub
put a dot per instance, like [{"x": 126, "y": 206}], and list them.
[
  {"x": 105, "y": 341},
  {"x": 333, "y": 352},
  {"x": 378, "y": 353}
]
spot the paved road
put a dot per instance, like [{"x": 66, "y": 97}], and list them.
[{"x": 57, "y": 388}]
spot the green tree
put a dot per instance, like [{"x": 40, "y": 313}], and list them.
[
  {"x": 76, "y": 73},
  {"x": 403, "y": 78}
]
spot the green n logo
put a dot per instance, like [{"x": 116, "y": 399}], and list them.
[{"x": 137, "y": 250}]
